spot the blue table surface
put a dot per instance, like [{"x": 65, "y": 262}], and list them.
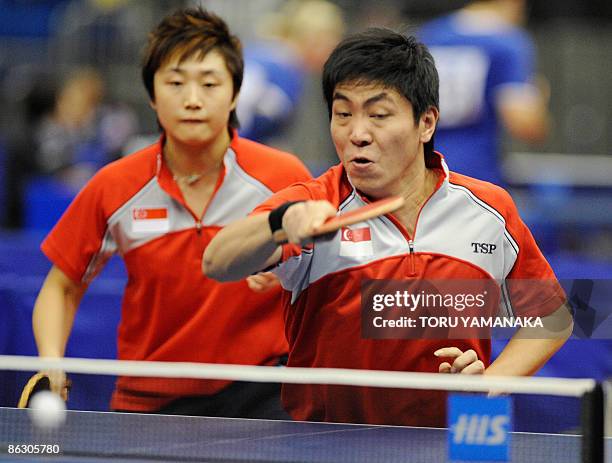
[{"x": 101, "y": 436}]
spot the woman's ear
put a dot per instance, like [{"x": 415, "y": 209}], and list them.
[{"x": 234, "y": 102}]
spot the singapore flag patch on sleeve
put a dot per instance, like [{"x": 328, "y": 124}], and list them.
[
  {"x": 150, "y": 220},
  {"x": 356, "y": 242}
]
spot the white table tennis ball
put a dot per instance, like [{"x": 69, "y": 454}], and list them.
[{"x": 47, "y": 410}]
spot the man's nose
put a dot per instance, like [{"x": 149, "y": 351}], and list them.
[{"x": 360, "y": 132}]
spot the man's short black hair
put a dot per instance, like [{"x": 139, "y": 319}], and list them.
[{"x": 387, "y": 58}]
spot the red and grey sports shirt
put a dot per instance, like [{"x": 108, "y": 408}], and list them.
[
  {"x": 323, "y": 284},
  {"x": 171, "y": 312}
]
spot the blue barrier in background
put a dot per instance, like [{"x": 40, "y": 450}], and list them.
[
  {"x": 45, "y": 201},
  {"x": 4, "y": 167},
  {"x": 94, "y": 335},
  {"x": 578, "y": 358}
]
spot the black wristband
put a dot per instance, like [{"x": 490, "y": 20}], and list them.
[{"x": 275, "y": 219}]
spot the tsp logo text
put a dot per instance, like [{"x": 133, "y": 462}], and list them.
[{"x": 483, "y": 248}]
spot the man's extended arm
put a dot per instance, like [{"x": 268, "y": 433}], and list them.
[
  {"x": 240, "y": 249},
  {"x": 530, "y": 348},
  {"x": 246, "y": 246}
]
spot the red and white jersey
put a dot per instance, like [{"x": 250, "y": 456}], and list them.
[
  {"x": 323, "y": 306},
  {"x": 171, "y": 311}
]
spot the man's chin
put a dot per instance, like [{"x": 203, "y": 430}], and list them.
[{"x": 368, "y": 187}]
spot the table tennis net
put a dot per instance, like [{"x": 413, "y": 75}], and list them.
[{"x": 376, "y": 416}]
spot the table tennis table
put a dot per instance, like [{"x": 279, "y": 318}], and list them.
[{"x": 102, "y": 436}]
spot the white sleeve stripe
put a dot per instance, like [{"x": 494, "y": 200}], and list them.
[
  {"x": 107, "y": 248},
  {"x": 490, "y": 209},
  {"x": 506, "y": 300}
]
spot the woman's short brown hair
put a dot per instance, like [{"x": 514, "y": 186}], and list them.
[{"x": 189, "y": 32}]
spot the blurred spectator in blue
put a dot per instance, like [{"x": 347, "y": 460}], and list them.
[
  {"x": 272, "y": 88},
  {"x": 80, "y": 134},
  {"x": 280, "y": 101},
  {"x": 486, "y": 61}
]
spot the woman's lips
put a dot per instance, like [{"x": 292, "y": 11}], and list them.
[{"x": 193, "y": 121}]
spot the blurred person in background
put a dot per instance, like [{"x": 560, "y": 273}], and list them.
[
  {"x": 160, "y": 207},
  {"x": 69, "y": 129},
  {"x": 81, "y": 133},
  {"x": 280, "y": 101},
  {"x": 486, "y": 64}
]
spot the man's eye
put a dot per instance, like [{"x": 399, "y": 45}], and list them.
[
  {"x": 210, "y": 84},
  {"x": 379, "y": 116},
  {"x": 342, "y": 114},
  {"x": 175, "y": 83}
]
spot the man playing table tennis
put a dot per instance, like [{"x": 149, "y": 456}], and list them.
[
  {"x": 159, "y": 208},
  {"x": 381, "y": 89}
]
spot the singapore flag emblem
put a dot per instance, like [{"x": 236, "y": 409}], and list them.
[
  {"x": 356, "y": 242},
  {"x": 150, "y": 220}
]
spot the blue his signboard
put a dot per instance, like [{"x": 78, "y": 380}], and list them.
[{"x": 479, "y": 428}]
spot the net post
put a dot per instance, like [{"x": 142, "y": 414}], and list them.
[
  {"x": 592, "y": 423},
  {"x": 608, "y": 410}
]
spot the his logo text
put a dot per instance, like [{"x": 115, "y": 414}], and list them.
[{"x": 480, "y": 429}]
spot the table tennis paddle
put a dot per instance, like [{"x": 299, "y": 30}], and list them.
[
  {"x": 369, "y": 211},
  {"x": 38, "y": 382}
]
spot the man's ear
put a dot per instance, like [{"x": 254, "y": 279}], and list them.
[
  {"x": 428, "y": 122},
  {"x": 152, "y": 104}
]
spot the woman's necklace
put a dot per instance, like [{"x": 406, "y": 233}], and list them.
[{"x": 189, "y": 179}]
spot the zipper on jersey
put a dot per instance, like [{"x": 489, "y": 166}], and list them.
[
  {"x": 412, "y": 267},
  {"x": 199, "y": 227}
]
